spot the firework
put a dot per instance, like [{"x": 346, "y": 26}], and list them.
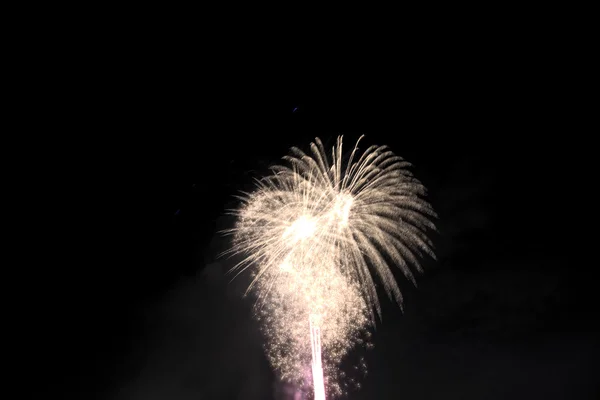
[{"x": 316, "y": 235}]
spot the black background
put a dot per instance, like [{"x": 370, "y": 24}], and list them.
[{"x": 145, "y": 144}]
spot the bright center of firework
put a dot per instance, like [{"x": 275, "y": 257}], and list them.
[
  {"x": 286, "y": 266},
  {"x": 341, "y": 209},
  {"x": 301, "y": 229}
]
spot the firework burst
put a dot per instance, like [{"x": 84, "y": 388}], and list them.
[{"x": 317, "y": 234}]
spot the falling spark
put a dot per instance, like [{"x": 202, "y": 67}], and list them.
[{"x": 316, "y": 234}]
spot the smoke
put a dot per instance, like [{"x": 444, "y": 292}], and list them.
[{"x": 199, "y": 343}]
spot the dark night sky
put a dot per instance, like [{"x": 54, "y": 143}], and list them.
[{"x": 133, "y": 302}]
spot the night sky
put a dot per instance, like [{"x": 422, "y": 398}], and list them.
[{"x": 132, "y": 303}]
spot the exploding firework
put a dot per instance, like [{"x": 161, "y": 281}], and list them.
[{"x": 316, "y": 235}]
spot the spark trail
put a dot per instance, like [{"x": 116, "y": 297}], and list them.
[
  {"x": 317, "y": 367},
  {"x": 316, "y": 234}
]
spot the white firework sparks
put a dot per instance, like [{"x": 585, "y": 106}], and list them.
[{"x": 317, "y": 234}]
